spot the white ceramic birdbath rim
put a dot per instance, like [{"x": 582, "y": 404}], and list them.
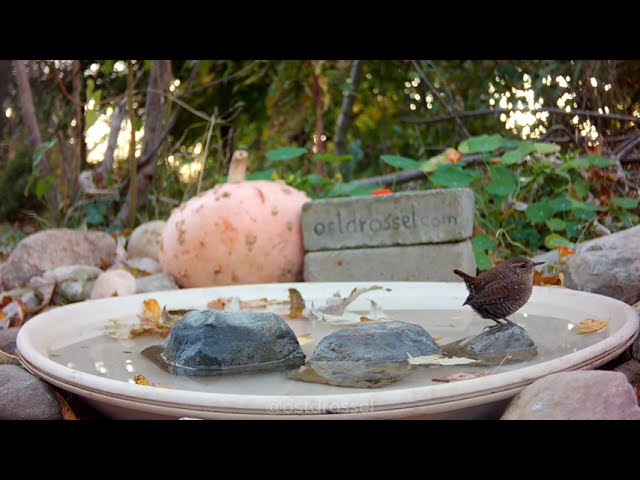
[{"x": 36, "y": 336}]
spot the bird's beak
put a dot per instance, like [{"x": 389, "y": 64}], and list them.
[{"x": 538, "y": 263}]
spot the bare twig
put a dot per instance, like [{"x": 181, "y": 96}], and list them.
[
  {"x": 628, "y": 148},
  {"x": 454, "y": 114},
  {"x": 496, "y": 111},
  {"x": 227, "y": 78},
  {"x": 344, "y": 119},
  {"x": 212, "y": 122}
]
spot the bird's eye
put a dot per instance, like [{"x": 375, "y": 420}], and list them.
[{"x": 523, "y": 265}]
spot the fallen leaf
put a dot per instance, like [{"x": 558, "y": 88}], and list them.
[
  {"x": 564, "y": 251},
  {"x": 540, "y": 279},
  {"x": 217, "y": 304},
  {"x": 303, "y": 339},
  {"x": 438, "y": 339},
  {"x": 365, "y": 319},
  {"x": 376, "y": 312},
  {"x": 141, "y": 380},
  {"x": 257, "y": 303},
  {"x": 439, "y": 360},
  {"x": 233, "y": 305},
  {"x": 296, "y": 304},
  {"x": 456, "y": 377},
  {"x": 65, "y": 409},
  {"x": 151, "y": 312},
  {"x": 591, "y": 325}
]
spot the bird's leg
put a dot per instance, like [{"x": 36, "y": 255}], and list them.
[
  {"x": 497, "y": 325},
  {"x": 509, "y": 322}
]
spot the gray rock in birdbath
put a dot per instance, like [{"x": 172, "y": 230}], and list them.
[
  {"x": 49, "y": 249},
  {"x": 145, "y": 240},
  {"x": 510, "y": 343},
  {"x": 25, "y": 397},
  {"x": 368, "y": 355},
  {"x": 211, "y": 342},
  {"x": 155, "y": 283},
  {"x": 579, "y": 395}
]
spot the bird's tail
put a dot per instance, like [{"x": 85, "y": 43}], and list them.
[
  {"x": 465, "y": 276},
  {"x": 469, "y": 281}
]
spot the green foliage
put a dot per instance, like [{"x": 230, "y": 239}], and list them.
[
  {"x": 13, "y": 184},
  {"x": 453, "y": 176},
  {"x": 400, "y": 162}
]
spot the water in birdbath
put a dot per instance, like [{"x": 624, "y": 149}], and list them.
[{"x": 121, "y": 359}]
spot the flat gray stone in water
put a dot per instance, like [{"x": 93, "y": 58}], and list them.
[
  {"x": 25, "y": 397},
  {"x": 493, "y": 346},
  {"x": 211, "y": 342},
  {"x": 368, "y": 355}
]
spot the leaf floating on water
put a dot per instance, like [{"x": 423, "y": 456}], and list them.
[
  {"x": 141, "y": 380},
  {"x": 151, "y": 312},
  {"x": 591, "y": 325},
  {"x": 217, "y": 304},
  {"x": 223, "y": 303},
  {"x": 344, "y": 319},
  {"x": 442, "y": 360},
  {"x": 438, "y": 339},
  {"x": 366, "y": 319},
  {"x": 456, "y": 377},
  {"x": 304, "y": 339},
  {"x": 296, "y": 304},
  {"x": 233, "y": 305}
]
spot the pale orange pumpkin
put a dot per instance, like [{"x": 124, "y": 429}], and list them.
[{"x": 240, "y": 232}]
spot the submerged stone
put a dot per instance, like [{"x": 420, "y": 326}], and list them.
[
  {"x": 510, "y": 343},
  {"x": 368, "y": 355},
  {"x": 211, "y": 342}
]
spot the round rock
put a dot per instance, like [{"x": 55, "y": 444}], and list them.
[
  {"x": 25, "y": 397},
  {"x": 145, "y": 240}
]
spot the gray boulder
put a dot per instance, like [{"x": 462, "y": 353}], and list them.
[
  {"x": 49, "y": 249},
  {"x": 25, "y": 397},
  {"x": 579, "y": 395}
]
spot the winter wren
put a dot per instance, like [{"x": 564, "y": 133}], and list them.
[{"x": 500, "y": 291}]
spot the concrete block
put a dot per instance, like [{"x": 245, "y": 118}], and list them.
[
  {"x": 406, "y": 218},
  {"x": 427, "y": 263}
]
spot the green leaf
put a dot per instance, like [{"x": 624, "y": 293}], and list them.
[
  {"x": 94, "y": 213},
  {"x": 560, "y": 204},
  {"x": 481, "y": 144},
  {"x": 539, "y": 212},
  {"x": 482, "y": 260},
  {"x": 286, "y": 153},
  {"x": 599, "y": 161},
  {"x": 581, "y": 187},
  {"x": 261, "y": 175},
  {"x": 453, "y": 176},
  {"x": 331, "y": 158},
  {"x": 314, "y": 179},
  {"x": 483, "y": 242},
  {"x": 108, "y": 66},
  {"x": 90, "y": 117},
  {"x": 503, "y": 181},
  {"x": 584, "y": 213},
  {"x": 627, "y": 203},
  {"x": 41, "y": 150},
  {"x": 554, "y": 240},
  {"x": 515, "y": 156},
  {"x": 555, "y": 224},
  {"x": 546, "y": 148},
  {"x": 43, "y": 185},
  {"x": 351, "y": 189},
  {"x": 575, "y": 164},
  {"x": 400, "y": 162},
  {"x": 577, "y": 204}
]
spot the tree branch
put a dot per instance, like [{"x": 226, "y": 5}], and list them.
[
  {"x": 112, "y": 142},
  {"x": 454, "y": 114},
  {"x": 227, "y": 78},
  {"x": 345, "y": 116},
  {"x": 496, "y": 111}
]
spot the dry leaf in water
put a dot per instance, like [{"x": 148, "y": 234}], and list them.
[
  {"x": 65, "y": 409},
  {"x": 151, "y": 312},
  {"x": 217, "y": 304},
  {"x": 456, "y": 377},
  {"x": 296, "y": 304},
  {"x": 439, "y": 360},
  {"x": 336, "y": 305},
  {"x": 591, "y": 325},
  {"x": 141, "y": 380},
  {"x": 303, "y": 339}
]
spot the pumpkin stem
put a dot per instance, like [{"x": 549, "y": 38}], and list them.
[{"x": 238, "y": 166}]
